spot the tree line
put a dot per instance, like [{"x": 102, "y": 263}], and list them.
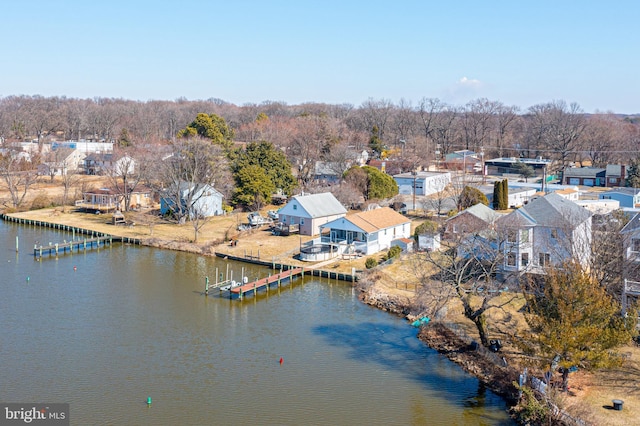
[{"x": 419, "y": 134}]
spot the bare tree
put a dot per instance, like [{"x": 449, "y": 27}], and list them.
[
  {"x": 557, "y": 127},
  {"x": 463, "y": 269},
  {"x": 194, "y": 166},
  {"x": 477, "y": 123},
  {"x": 441, "y": 202},
  {"x": 127, "y": 175},
  {"x": 603, "y": 135},
  {"x": 17, "y": 176},
  {"x": 506, "y": 119}
]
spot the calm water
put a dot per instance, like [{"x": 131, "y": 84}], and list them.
[{"x": 131, "y": 322}]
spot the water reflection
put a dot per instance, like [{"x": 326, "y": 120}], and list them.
[{"x": 103, "y": 330}]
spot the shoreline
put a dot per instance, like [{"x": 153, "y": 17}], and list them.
[{"x": 436, "y": 335}]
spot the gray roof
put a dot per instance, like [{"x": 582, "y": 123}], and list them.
[
  {"x": 616, "y": 170},
  {"x": 624, "y": 190},
  {"x": 555, "y": 211},
  {"x": 632, "y": 225},
  {"x": 482, "y": 212},
  {"x": 584, "y": 172},
  {"x": 517, "y": 219},
  {"x": 320, "y": 205}
]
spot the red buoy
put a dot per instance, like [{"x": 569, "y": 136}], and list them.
[
  {"x": 75, "y": 268},
  {"x": 281, "y": 360}
]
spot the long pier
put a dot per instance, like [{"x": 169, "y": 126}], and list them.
[
  {"x": 71, "y": 245},
  {"x": 264, "y": 283},
  {"x": 94, "y": 240}
]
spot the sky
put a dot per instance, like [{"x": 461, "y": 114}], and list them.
[{"x": 521, "y": 53}]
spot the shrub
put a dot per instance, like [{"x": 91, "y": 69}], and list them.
[
  {"x": 41, "y": 201},
  {"x": 529, "y": 409},
  {"x": 426, "y": 227},
  {"x": 370, "y": 263},
  {"x": 394, "y": 252}
]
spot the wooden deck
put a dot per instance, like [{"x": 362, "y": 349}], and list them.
[{"x": 264, "y": 283}]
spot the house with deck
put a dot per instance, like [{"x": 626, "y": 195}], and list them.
[
  {"x": 547, "y": 231},
  {"x": 111, "y": 199},
  {"x": 630, "y": 234},
  {"x": 367, "y": 232},
  {"x": 309, "y": 212},
  {"x": 108, "y": 163}
]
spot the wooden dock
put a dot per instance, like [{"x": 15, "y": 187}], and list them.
[
  {"x": 264, "y": 283},
  {"x": 77, "y": 245}
]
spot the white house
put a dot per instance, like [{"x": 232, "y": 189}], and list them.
[
  {"x": 569, "y": 193},
  {"x": 631, "y": 272},
  {"x": 424, "y": 183},
  {"x": 311, "y": 211},
  {"x": 547, "y": 231},
  {"x": 104, "y": 164},
  {"x": 367, "y": 232},
  {"x": 204, "y": 200},
  {"x": 599, "y": 206},
  {"x": 60, "y": 162}
]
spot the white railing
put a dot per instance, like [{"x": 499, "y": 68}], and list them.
[{"x": 632, "y": 287}]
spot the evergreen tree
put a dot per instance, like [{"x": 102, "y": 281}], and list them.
[
  {"x": 504, "y": 195},
  {"x": 375, "y": 143},
  {"x": 573, "y": 321},
  {"x": 497, "y": 194},
  {"x": 633, "y": 173},
  {"x": 470, "y": 197}
]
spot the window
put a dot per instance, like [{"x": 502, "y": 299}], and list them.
[
  {"x": 545, "y": 259},
  {"x": 613, "y": 180},
  {"x": 635, "y": 244},
  {"x": 524, "y": 236},
  {"x": 301, "y": 221},
  {"x": 512, "y": 235},
  {"x": 455, "y": 229},
  {"x": 554, "y": 234},
  {"x": 524, "y": 259},
  {"x": 511, "y": 259},
  {"x": 295, "y": 207}
]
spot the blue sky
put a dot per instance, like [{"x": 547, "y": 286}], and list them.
[{"x": 517, "y": 52}]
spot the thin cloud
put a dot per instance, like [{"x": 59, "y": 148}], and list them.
[{"x": 469, "y": 83}]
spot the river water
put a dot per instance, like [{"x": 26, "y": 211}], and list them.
[{"x": 106, "y": 329}]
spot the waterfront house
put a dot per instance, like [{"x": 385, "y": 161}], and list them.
[
  {"x": 367, "y": 232},
  {"x": 110, "y": 199},
  {"x": 311, "y": 211},
  {"x": 194, "y": 199},
  {"x": 547, "y": 231},
  {"x": 631, "y": 271}
]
